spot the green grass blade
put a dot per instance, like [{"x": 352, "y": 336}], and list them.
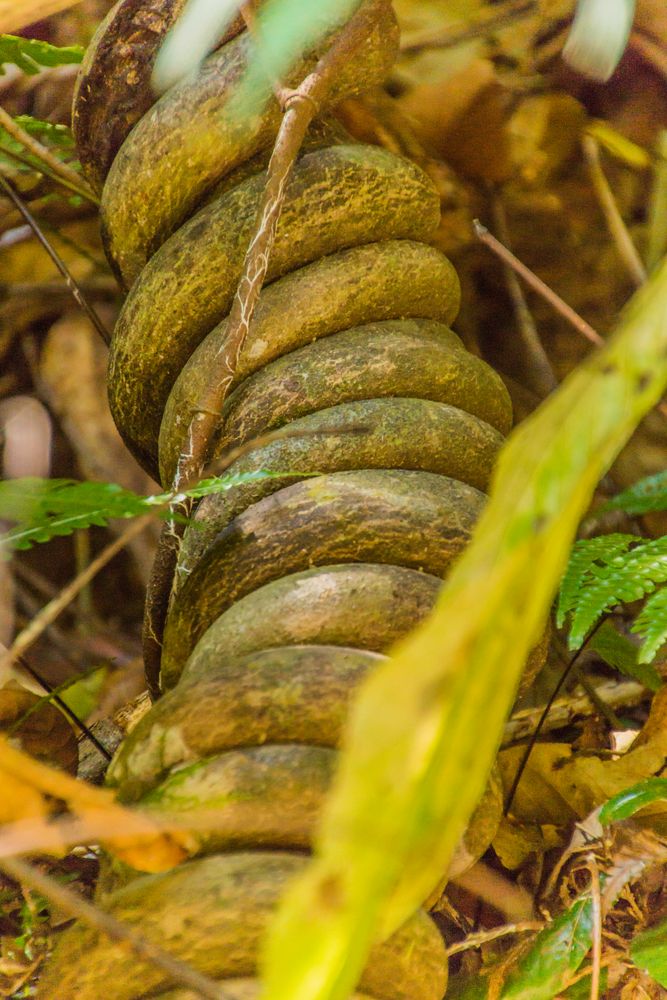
[
  {"x": 649, "y": 952},
  {"x": 426, "y": 725}
]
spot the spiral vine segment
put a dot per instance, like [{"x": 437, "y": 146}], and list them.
[{"x": 289, "y": 589}]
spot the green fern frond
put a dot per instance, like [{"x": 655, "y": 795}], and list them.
[
  {"x": 622, "y": 578},
  {"x": 649, "y": 494},
  {"x": 651, "y": 625},
  {"x": 41, "y": 509},
  {"x": 622, "y": 654},
  {"x": 585, "y": 554},
  {"x": 30, "y": 54}
]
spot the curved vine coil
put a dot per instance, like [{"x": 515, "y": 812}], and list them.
[{"x": 289, "y": 589}]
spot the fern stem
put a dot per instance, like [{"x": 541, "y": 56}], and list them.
[
  {"x": 545, "y": 712},
  {"x": 54, "y": 608},
  {"x": 61, "y": 170},
  {"x": 56, "y": 258}
]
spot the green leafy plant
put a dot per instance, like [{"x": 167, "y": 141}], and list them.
[
  {"x": 41, "y": 509},
  {"x": 618, "y": 569},
  {"x": 643, "y": 497},
  {"x": 58, "y": 139},
  {"x": 544, "y": 968},
  {"x": 59, "y": 136},
  {"x": 31, "y": 54}
]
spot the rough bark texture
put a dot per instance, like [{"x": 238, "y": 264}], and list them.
[
  {"x": 212, "y": 912},
  {"x": 413, "y": 519},
  {"x": 361, "y": 196}
]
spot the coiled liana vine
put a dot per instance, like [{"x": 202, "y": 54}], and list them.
[{"x": 289, "y": 589}]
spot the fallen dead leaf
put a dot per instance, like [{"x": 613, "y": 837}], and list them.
[
  {"x": 17, "y": 14},
  {"x": 38, "y": 727}
]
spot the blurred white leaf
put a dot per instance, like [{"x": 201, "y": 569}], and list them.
[
  {"x": 191, "y": 39},
  {"x": 598, "y": 36}
]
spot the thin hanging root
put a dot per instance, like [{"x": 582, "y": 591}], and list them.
[{"x": 289, "y": 591}]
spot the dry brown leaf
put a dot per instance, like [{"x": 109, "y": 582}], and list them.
[
  {"x": 17, "y": 14},
  {"x": 651, "y": 18},
  {"x": 560, "y": 787},
  {"x": 463, "y": 120},
  {"x": 516, "y": 843},
  {"x": 654, "y": 730},
  {"x": 43, "y": 731}
]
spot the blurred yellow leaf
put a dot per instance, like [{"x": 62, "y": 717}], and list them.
[
  {"x": 31, "y": 790},
  {"x": 17, "y": 14},
  {"x": 19, "y": 801},
  {"x": 425, "y": 727},
  {"x": 618, "y": 146}
]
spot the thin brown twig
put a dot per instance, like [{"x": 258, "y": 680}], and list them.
[
  {"x": 618, "y": 231},
  {"x": 587, "y": 970},
  {"x": 177, "y": 972},
  {"x": 300, "y": 107},
  {"x": 54, "y": 608},
  {"x": 657, "y": 225},
  {"x": 606, "y": 711},
  {"x": 103, "y": 288},
  {"x": 74, "y": 288},
  {"x": 221, "y": 464},
  {"x": 531, "y": 279},
  {"x": 513, "y": 901},
  {"x": 43, "y": 169},
  {"x": 55, "y": 166},
  {"x": 509, "y": 798},
  {"x": 596, "y": 921},
  {"x": 564, "y": 711},
  {"x": 542, "y": 289},
  {"x": 483, "y": 937},
  {"x": 54, "y": 697},
  {"x": 539, "y": 373}
]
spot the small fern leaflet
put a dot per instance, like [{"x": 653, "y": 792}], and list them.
[
  {"x": 651, "y": 625},
  {"x": 614, "y": 579},
  {"x": 41, "y": 509},
  {"x": 649, "y": 494},
  {"x": 585, "y": 554}
]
